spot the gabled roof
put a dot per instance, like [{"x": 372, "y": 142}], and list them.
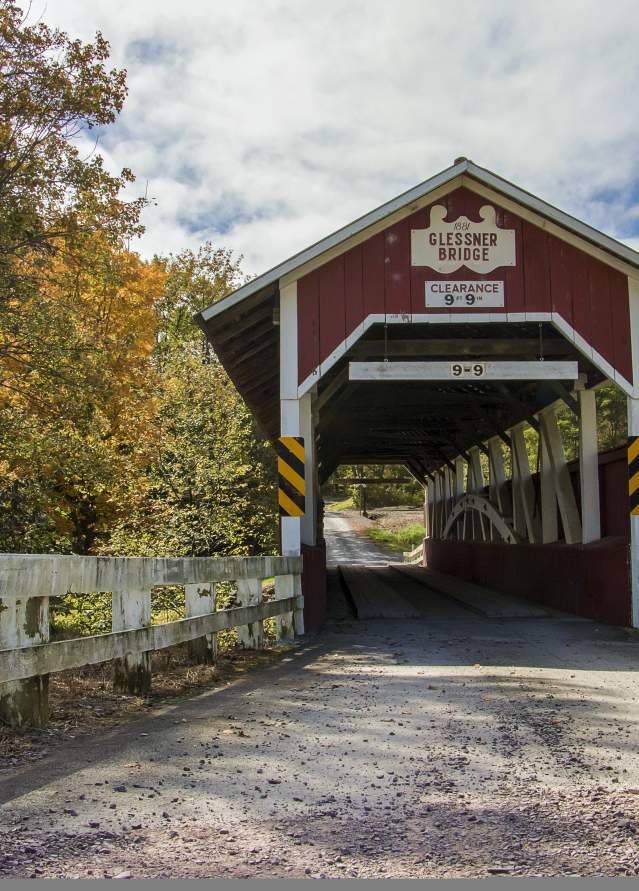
[{"x": 461, "y": 166}]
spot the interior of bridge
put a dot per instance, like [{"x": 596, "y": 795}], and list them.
[{"x": 424, "y": 425}]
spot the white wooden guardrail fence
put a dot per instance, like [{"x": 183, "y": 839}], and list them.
[
  {"x": 416, "y": 556},
  {"x": 27, "y": 581}
]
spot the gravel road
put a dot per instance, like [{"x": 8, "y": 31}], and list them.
[
  {"x": 345, "y": 545},
  {"x": 461, "y": 747}
]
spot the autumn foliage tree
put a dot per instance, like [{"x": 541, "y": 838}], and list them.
[{"x": 118, "y": 432}]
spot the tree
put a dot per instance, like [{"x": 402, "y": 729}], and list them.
[
  {"x": 53, "y": 201},
  {"x": 210, "y": 486},
  {"x": 67, "y": 437}
]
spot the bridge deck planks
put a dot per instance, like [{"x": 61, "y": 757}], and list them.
[
  {"x": 373, "y": 597},
  {"x": 476, "y": 598}
]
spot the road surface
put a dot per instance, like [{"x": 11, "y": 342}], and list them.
[
  {"x": 344, "y": 545},
  {"x": 452, "y": 747}
]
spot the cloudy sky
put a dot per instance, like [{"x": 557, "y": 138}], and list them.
[{"x": 265, "y": 125}]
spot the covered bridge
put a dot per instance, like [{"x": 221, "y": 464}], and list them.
[{"x": 431, "y": 333}]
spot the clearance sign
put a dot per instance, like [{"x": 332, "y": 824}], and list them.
[{"x": 446, "y": 247}]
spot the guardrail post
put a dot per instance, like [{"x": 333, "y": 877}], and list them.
[
  {"x": 198, "y": 601},
  {"x": 24, "y": 622},
  {"x": 131, "y": 609},
  {"x": 249, "y": 593},
  {"x": 285, "y": 624}
]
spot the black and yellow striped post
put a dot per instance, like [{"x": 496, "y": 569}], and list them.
[
  {"x": 291, "y": 491},
  {"x": 633, "y": 475}
]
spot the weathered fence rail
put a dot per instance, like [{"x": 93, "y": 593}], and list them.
[
  {"x": 416, "y": 556},
  {"x": 27, "y": 582}
]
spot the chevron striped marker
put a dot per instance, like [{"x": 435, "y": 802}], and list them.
[
  {"x": 633, "y": 474},
  {"x": 291, "y": 490}
]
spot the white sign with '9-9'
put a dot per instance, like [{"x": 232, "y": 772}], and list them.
[{"x": 458, "y": 295}]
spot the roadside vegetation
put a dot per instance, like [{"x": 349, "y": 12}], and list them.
[
  {"x": 120, "y": 432},
  {"x": 404, "y": 539}
]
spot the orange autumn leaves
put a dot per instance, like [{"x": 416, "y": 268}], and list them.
[{"x": 78, "y": 394}]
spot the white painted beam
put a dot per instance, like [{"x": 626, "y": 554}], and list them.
[
  {"x": 523, "y": 480},
  {"x": 589, "y": 466},
  {"x": 462, "y": 370},
  {"x": 459, "y": 476},
  {"x": 497, "y": 492},
  {"x": 549, "y": 522},
  {"x": 633, "y": 430},
  {"x": 290, "y": 421},
  {"x": 563, "y": 485}
]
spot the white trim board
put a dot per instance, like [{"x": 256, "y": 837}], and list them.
[
  {"x": 477, "y": 371},
  {"x": 475, "y": 318}
]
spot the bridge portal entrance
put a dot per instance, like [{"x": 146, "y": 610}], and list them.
[{"x": 442, "y": 332}]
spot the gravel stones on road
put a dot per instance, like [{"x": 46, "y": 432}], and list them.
[{"x": 388, "y": 749}]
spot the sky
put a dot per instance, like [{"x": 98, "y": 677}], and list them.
[{"x": 263, "y": 126}]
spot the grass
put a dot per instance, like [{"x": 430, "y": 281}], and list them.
[
  {"x": 346, "y": 504},
  {"x": 402, "y": 540}
]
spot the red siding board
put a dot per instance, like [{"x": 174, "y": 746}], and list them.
[
  {"x": 397, "y": 268},
  {"x": 536, "y": 263},
  {"x": 580, "y": 270},
  {"x": 332, "y": 306},
  {"x": 308, "y": 324},
  {"x": 600, "y": 312},
  {"x": 373, "y": 274},
  {"x": 620, "y": 309},
  {"x": 560, "y": 279},
  {"x": 354, "y": 294}
]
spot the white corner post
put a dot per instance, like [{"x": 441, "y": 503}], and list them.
[
  {"x": 633, "y": 430},
  {"x": 561, "y": 476},
  {"x": 290, "y": 421},
  {"x": 589, "y": 466},
  {"x": 308, "y": 527}
]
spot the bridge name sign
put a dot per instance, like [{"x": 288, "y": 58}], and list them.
[{"x": 447, "y": 246}]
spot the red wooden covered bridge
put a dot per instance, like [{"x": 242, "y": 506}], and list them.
[{"x": 431, "y": 333}]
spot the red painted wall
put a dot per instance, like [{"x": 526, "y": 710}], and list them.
[
  {"x": 589, "y": 580},
  {"x": 314, "y": 585},
  {"x": 377, "y": 277}
]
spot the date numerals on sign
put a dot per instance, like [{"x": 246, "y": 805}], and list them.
[{"x": 463, "y": 369}]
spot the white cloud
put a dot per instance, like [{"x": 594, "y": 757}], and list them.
[{"x": 264, "y": 126}]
